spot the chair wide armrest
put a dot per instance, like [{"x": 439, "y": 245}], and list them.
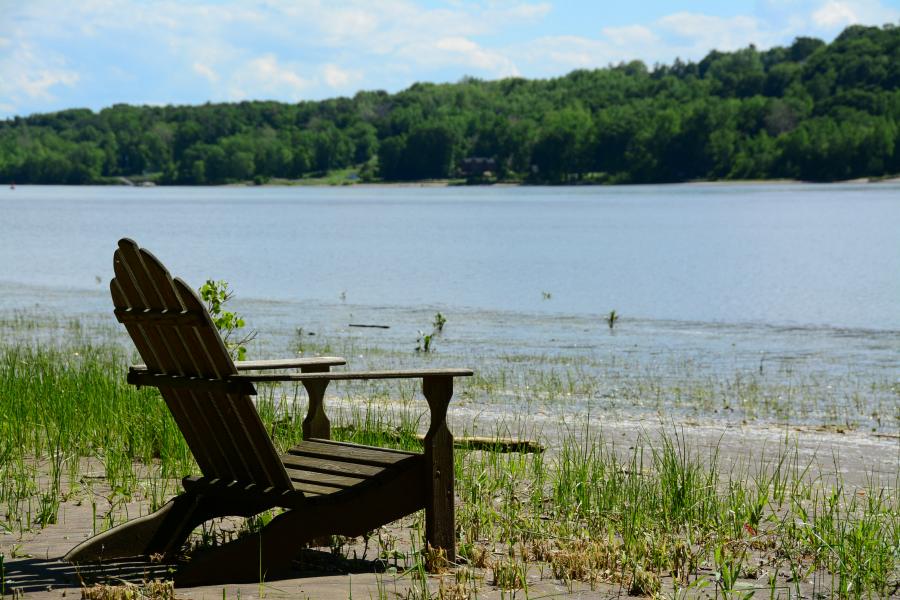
[
  {"x": 289, "y": 363},
  {"x": 346, "y": 375},
  {"x": 281, "y": 363}
]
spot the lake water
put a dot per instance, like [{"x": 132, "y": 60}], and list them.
[
  {"x": 726, "y": 275},
  {"x": 787, "y": 255}
]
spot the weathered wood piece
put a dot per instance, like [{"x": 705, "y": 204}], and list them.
[
  {"x": 486, "y": 443},
  {"x": 491, "y": 444},
  {"x": 327, "y": 487}
]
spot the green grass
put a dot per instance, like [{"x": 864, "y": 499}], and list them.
[
  {"x": 348, "y": 176},
  {"x": 655, "y": 517},
  {"x": 665, "y": 512}
]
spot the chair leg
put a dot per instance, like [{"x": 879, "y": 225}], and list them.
[
  {"x": 159, "y": 532},
  {"x": 251, "y": 557},
  {"x": 440, "y": 524},
  {"x": 271, "y": 550}
]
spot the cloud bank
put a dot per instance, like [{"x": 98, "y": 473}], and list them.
[{"x": 98, "y": 52}]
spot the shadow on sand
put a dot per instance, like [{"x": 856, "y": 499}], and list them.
[{"x": 30, "y": 575}]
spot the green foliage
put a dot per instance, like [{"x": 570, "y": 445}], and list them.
[
  {"x": 215, "y": 294},
  {"x": 423, "y": 342},
  {"x": 811, "y": 110}
]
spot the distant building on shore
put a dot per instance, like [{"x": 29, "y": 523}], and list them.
[{"x": 477, "y": 166}]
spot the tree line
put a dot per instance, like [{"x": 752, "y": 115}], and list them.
[{"x": 811, "y": 111}]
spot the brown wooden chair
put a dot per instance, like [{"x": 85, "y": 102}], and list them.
[{"x": 328, "y": 487}]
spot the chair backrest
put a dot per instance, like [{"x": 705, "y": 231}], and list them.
[{"x": 175, "y": 336}]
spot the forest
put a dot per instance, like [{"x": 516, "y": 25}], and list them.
[{"x": 811, "y": 111}]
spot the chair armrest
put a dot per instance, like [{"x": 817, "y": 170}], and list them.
[
  {"x": 289, "y": 363},
  {"x": 345, "y": 375},
  {"x": 283, "y": 363}
]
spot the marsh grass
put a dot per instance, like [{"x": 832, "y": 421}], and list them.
[
  {"x": 665, "y": 514},
  {"x": 658, "y": 516}
]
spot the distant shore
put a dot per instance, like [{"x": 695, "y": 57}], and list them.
[{"x": 438, "y": 183}]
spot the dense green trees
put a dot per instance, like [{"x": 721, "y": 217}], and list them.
[{"x": 810, "y": 111}]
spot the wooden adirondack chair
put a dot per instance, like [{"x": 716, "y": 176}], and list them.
[{"x": 328, "y": 487}]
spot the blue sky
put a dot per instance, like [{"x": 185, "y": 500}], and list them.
[{"x": 95, "y": 53}]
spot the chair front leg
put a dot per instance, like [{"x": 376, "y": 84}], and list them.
[{"x": 440, "y": 525}]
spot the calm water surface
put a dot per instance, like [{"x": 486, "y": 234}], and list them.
[
  {"x": 724, "y": 276},
  {"x": 788, "y": 255}
]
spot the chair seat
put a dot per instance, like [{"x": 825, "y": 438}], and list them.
[{"x": 319, "y": 467}]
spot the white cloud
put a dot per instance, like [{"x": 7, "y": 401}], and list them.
[
  {"x": 532, "y": 11},
  {"x": 834, "y": 14},
  {"x": 303, "y": 46},
  {"x": 206, "y": 71},
  {"x": 691, "y": 25},
  {"x": 39, "y": 82},
  {"x": 526, "y": 12},
  {"x": 335, "y": 76},
  {"x": 236, "y": 49},
  {"x": 691, "y": 36},
  {"x": 28, "y": 76},
  {"x": 340, "y": 25},
  {"x": 464, "y": 51},
  {"x": 696, "y": 34},
  {"x": 265, "y": 77},
  {"x": 630, "y": 35},
  {"x": 555, "y": 55}
]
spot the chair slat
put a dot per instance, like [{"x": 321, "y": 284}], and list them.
[
  {"x": 378, "y": 449},
  {"x": 324, "y": 465},
  {"x": 340, "y": 481},
  {"x": 352, "y": 454},
  {"x": 311, "y": 489}
]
